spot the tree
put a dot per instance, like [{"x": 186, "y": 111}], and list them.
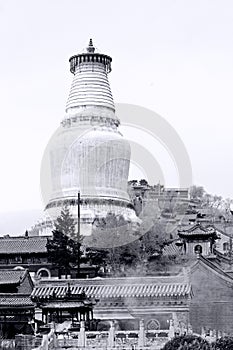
[
  {"x": 187, "y": 342},
  {"x": 60, "y": 252},
  {"x": 65, "y": 223},
  {"x": 225, "y": 343},
  {"x": 123, "y": 258},
  {"x": 97, "y": 256},
  {"x": 111, "y": 231},
  {"x": 143, "y": 182},
  {"x": 132, "y": 182},
  {"x": 64, "y": 248},
  {"x": 112, "y": 243},
  {"x": 196, "y": 192},
  {"x": 154, "y": 240}
]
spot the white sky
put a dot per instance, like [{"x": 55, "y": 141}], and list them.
[{"x": 174, "y": 57}]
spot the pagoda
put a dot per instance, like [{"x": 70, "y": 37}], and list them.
[
  {"x": 197, "y": 240},
  {"x": 87, "y": 156}
]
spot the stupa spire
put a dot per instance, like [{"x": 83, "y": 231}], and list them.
[
  {"x": 90, "y": 47},
  {"x": 90, "y": 94}
]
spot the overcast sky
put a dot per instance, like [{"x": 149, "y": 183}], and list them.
[{"x": 173, "y": 57}]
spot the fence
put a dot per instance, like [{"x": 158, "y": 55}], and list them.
[
  {"x": 139, "y": 339},
  {"x": 7, "y": 344},
  {"x": 110, "y": 340}
]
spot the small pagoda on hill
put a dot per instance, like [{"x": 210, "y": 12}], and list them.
[{"x": 197, "y": 240}]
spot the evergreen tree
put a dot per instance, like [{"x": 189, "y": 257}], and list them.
[
  {"x": 65, "y": 223},
  {"x": 64, "y": 248},
  {"x": 60, "y": 252}
]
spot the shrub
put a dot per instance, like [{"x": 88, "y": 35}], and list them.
[
  {"x": 187, "y": 342},
  {"x": 225, "y": 343}
]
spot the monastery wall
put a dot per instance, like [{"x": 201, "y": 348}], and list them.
[{"x": 211, "y": 306}]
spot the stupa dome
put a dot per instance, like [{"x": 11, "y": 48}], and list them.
[{"x": 94, "y": 162}]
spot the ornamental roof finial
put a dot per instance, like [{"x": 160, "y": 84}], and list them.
[{"x": 90, "y": 47}]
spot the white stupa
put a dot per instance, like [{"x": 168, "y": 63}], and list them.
[{"x": 87, "y": 154}]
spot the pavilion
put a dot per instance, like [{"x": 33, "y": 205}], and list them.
[{"x": 61, "y": 303}]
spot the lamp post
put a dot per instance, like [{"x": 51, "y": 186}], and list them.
[{"x": 78, "y": 236}]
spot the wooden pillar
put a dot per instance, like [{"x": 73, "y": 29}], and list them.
[
  {"x": 87, "y": 315},
  {"x": 43, "y": 316}
]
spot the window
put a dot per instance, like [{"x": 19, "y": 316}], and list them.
[
  {"x": 225, "y": 246},
  {"x": 198, "y": 249}
]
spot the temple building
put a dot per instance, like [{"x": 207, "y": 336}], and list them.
[
  {"x": 157, "y": 300},
  {"x": 30, "y": 252},
  {"x": 192, "y": 240},
  {"x": 87, "y": 154},
  {"x": 25, "y": 252},
  {"x": 16, "y": 306},
  {"x": 199, "y": 296},
  {"x": 198, "y": 240}
]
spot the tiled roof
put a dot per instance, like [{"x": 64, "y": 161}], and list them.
[
  {"x": 186, "y": 217},
  {"x": 205, "y": 211},
  {"x": 11, "y": 276},
  {"x": 219, "y": 229},
  {"x": 213, "y": 268},
  {"x": 17, "y": 245},
  {"x": 114, "y": 288},
  {"x": 63, "y": 305},
  {"x": 171, "y": 249},
  {"x": 196, "y": 230},
  {"x": 11, "y": 300}
]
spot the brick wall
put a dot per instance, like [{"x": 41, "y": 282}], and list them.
[{"x": 212, "y": 303}]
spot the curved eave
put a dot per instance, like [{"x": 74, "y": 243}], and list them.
[{"x": 197, "y": 236}]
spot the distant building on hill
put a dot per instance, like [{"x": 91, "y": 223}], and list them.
[
  {"x": 198, "y": 240},
  {"x": 143, "y": 195}
]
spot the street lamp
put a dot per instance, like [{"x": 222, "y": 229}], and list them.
[{"x": 78, "y": 235}]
